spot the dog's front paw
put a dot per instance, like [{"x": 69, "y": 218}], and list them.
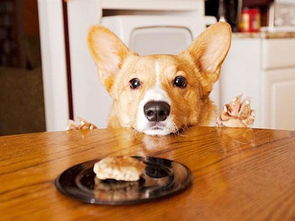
[
  {"x": 81, "y": 124},
  {"x": 237, "y": 113}
]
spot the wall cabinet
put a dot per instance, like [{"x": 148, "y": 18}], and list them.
[{"x": 279, "y": 99}]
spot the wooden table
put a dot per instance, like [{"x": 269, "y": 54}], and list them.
[{"x": 238, "y": 174}]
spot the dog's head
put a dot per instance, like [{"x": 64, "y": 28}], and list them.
[{"x": 160, "y": 94}]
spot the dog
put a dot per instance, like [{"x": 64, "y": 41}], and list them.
[{"x": 160, "y": 94}]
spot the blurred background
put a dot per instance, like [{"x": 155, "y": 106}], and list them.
[
  {"x": 21, "y": 87},
  {"x": 47, "y": 75}
]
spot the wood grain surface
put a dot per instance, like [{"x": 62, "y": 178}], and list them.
[{"x": 238, "y": 174}]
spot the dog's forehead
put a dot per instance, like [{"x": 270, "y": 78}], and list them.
[{"x": 157, "y": 63}]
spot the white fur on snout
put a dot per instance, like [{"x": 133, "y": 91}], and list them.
[
  {"x": 143, "y": 124},
  {"x": 156, "y": 93}
]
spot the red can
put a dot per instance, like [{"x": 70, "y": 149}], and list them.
[{"x": 250, "y": 20}]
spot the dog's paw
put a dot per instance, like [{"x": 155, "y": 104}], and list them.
[
  {"x": 237, "y": 113},
  {"x": 81, "y": 124}
]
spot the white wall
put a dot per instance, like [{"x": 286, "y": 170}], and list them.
[
  {"x": 53, "y": 64},
  {"x": 241, "y": 74},
  {"x": 90, "y": 100}
]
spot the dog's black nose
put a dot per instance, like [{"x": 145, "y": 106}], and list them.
[{"x": 156, "y": 110}]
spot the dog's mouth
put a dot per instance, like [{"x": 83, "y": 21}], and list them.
[
  {"x": 156, "y": 128},
  {"x": 159, "y": 128}
]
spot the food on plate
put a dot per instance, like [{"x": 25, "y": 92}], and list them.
[{"x": 121, "y": 168}]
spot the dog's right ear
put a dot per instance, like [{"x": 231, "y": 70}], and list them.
[{"x": 108, "y": 52}]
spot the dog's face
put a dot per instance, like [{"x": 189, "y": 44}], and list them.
[{"x": 160, "y": 94}]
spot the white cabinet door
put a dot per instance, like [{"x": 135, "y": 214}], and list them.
[
  {"x": 241, "y": 74},
  {"x": 278, "y": 53},
  {"x": 279, "y": 99}
]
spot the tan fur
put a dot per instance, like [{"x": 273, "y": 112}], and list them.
[{"x": 200, "y": 64}]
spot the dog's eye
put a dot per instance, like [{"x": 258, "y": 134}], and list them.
[
  {"x": 180, "y": 82},
  {"x": 134, "y": 83}
]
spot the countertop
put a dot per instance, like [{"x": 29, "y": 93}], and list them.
[{"x": 265, "y": 35}]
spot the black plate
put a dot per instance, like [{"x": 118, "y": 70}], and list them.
[{"x": 162, "y": 178}]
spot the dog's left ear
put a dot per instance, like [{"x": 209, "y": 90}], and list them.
[
  {"x": 209, "y": 51},
  {"x": 108, "y": 52}
]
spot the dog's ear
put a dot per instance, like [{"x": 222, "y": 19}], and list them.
[
  {"x": 108, "y": 52},
  {"x": 208, "y": 52}
]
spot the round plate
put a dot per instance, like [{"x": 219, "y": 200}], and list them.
[{"x": 162, "y": 178}]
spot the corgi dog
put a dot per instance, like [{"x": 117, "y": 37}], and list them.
[{"x": 160, "y": 94}]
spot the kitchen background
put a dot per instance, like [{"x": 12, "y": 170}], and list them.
[
  {"x": 21, "y": 87},
  {"x": 261, "y": 63}
]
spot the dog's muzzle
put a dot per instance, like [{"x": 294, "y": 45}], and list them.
[{"x": 156, "y": 111}]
